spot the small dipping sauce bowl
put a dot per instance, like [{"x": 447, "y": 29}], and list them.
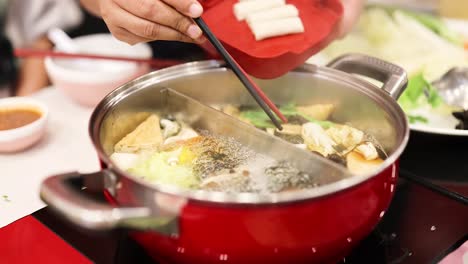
[{"x": 23, "y": 122}]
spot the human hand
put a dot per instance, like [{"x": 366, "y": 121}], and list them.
[
  {"x": 135, "y": 21},
  {"x": 352, "y": 11}
]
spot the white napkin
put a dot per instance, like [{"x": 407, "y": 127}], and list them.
[{"x": 66, "y": 147}]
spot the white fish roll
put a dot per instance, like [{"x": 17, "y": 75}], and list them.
[
  {"x": 273, "y": 13},
  {"x": 242, "y": 9},
  {"x": 279, "y": 27}
]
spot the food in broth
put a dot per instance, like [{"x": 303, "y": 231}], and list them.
[
  {"x": 166, "y": 150},
  {"x": 169, "y": 152},
  {"x": 310, "y": 128}
]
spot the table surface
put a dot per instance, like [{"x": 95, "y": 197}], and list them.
[
  {"x": 421, "y": 226},
  {"x": 64, "y": 147}
]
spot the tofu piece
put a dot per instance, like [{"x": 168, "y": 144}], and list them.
[
  {"x": 147, "y": 136},
  {"x": 124, "y": 160},
  {"x": 317, "y": 139},
  {"x": 185, "y": 134},
  {"x": 116, "y": 126},
  {"x": 319, "y": 112},
  {"x": 346, "y": 136},
  {"x": 290, "y": 133},
  {"x": 278, "y": 27},
  {"x": 231, "y": 110},
  {"x": 367, "y": 150},
  {"x": 273, "y": 14},
  {"x": 358, "y": 165},
  {"x": 291, "y": 129},
  {"x": 243, "y": 8}
]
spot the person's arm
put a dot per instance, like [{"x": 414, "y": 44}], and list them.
[
  {"x": 32, "y": 75},
  {"x": 352, "y": 11},
  {"x": 138, "y": 21},
  {"x": 27, "y": 24},
  {"x": 92, "y": 6}
]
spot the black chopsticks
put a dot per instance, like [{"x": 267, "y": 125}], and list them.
[
  {"x": 434, "y": 187},
  {"x": 260, "y": 97}
]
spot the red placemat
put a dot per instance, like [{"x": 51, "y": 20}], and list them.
[
  {"x": 29, "y": 241},
  {"x": 274, "y": 57}
]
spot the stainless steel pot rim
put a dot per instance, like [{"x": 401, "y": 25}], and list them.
[{"x": 241, "y": 198}]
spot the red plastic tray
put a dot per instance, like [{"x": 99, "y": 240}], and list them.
[
  {"x": 29, "y": 241},
  {"x": 271, "y": 58}
]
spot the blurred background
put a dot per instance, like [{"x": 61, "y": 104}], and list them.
[
  {"x": 25, "y": 24},
  {"x": 426, "y": 37},
  {"x": 27, "y": 27}
]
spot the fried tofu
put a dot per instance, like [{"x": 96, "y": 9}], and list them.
[
  {"x": 358, "y": 165},
  {"x": 147, "y": 136}
]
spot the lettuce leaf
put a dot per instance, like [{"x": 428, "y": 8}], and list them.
[
  {"x": 419, "y": 93},
  {"x": 157, "y": 169},
  {"x": 433, "y": 97},
  {"x": 259, "y": 119},
  {"x": 413, "y": 119}
]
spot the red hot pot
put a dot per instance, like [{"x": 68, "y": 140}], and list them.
[{"x": 319, "y": 225}]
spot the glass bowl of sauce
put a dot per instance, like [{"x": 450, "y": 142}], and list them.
[{"x": 22, "y": 123}]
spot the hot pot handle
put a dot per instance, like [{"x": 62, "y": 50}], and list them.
[
  {"x": 58, "y": 192},
  {"x": 393, "y": 77}
]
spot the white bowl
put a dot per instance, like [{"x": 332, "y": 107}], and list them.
[
  {"x": 16, "y": 139},
  {"x": 88, "y": 81}
]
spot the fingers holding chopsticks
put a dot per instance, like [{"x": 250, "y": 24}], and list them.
[{"x": 147, "y": 20}]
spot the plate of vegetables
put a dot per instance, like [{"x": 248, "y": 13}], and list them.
[{"x": 426, "y": 46}]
